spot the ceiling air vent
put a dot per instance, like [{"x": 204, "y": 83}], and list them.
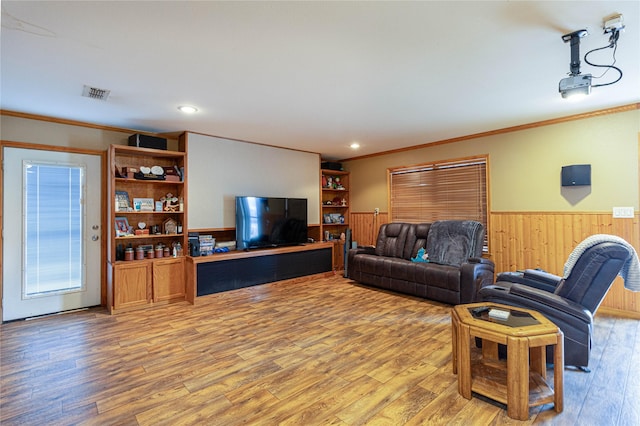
[{"x": 95, "y": 93}]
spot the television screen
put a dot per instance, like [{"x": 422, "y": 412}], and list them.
[{"x": 270, "y": 222}]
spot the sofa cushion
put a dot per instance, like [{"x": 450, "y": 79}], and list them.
[
  {"x": 434, "y": 275},
  {"x": 391, "y": 239},
  {"x": 452, "y": 242},
  {"x": 400, "y": 269},
  {"x": 419, "y": 232},
  {"x": 368, "y": 264}
]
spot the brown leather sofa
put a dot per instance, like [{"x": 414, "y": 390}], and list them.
[{"x": 455, "y": 271}]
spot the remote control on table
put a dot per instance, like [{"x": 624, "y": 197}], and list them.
[
  {"x": 498, "y": 314},
  {"x": 476, "y": 312}
]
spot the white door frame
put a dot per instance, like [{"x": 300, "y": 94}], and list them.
[{"x": 103, "y": 217}]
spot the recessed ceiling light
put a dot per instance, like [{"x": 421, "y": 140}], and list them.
[
  {"x": 354, "y": 145},
  {"x": 188, "y": 109}
]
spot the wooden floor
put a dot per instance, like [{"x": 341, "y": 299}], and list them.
[{"x": 325, "y": 351}]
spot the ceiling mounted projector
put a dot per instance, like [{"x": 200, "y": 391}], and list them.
[
  {"x": 575, "y": 84},
  {"x": 580, "y": 84}
]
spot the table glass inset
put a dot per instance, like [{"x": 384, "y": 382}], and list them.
[{"x": 516, "y": 318}]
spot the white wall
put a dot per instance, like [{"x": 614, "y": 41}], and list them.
[{"x": 221, "y": 169}]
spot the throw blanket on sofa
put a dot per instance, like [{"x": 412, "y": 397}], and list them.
[{"x": 630, "y": 272}]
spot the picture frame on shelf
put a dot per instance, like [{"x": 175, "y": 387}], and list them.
[
  {"x": 169, "y": 226},
  {"x": 335, "y": 218},
  {"x": 123, "y": 203},
  {"x": 143, "y": 204},
  {"x": 122, "y": 226}
]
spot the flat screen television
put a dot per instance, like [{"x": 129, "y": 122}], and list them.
[{"x": 270, "y": 222}]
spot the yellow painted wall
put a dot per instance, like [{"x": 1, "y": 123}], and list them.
[{"x": 525, "y": 166}]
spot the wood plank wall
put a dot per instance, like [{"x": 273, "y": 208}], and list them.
[
  {"x": 519, "y": 240},
  {"x": 364, "y": 227}
]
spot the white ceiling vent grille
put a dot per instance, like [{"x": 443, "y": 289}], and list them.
[{"x": 95, "y": 93}]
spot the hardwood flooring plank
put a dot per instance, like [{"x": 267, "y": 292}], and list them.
[
  {"x": 219, "y": 369},
  {"x": 193, "y": 408},
  {"x": 392, "y": 367},
  {"x": 297, "y": 400},
  {"x": 368, "y": 405},
  {"x": 255, "y": 405},
  {"x": 324, "y": 409},
  {"x": 477, "y": 410},
  {"x": 136, "y": 401},
  {"x": 442, "y": 409},
  {"x": 404, "y": 408}
]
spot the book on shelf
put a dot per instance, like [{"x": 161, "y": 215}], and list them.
[
  {"x": 143, "y": 204},
  {"x": 122, "y": 201}
]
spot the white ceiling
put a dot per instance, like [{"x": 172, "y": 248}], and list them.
[{"x": 314, "y": 76}]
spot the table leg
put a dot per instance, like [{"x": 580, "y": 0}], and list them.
[
  {"x": 538, "y": 360},
  {"x": 464, "y": 361},
  {"x": 518, "y": 378},
  {"x": 558, "y": 374},
  {"x": 454, "y": 341}
]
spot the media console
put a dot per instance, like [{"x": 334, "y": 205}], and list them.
[{"x": 237, "y": 269}]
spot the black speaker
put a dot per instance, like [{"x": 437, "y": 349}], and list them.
[
  {"x": 576, "y": 175},
  {"x": 347, "y": 246},
  {"x": 194, "y": 244},
  {"x": 146, "y": 141},
  {"x": 119, "y": 252},
  {"x": 331, "y": 165}
]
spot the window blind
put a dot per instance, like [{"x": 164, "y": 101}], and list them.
[{"x": 448, "y": 190}]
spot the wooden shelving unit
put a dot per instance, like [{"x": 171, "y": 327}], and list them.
[
  {"x": 335, "y": 208},
  {"x": 134, "y": 284}
]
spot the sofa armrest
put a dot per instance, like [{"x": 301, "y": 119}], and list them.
[
  {"x": 480, "y": 260},
  {"x": 541, "y": 279},
  {"x": 542, "y": 301},
  {"x": 474, "y": 274},
  {"x": 533, "y": 278},
  {"x": 364, "y": 250}
]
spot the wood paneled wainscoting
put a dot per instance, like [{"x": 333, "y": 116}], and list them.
[
  {"x": 544, "y": 240},
  {"x": 365, "y": 225}
]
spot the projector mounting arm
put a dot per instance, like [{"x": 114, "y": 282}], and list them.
[{"x": 574, "y": 38}]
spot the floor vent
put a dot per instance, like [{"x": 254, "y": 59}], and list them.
[{"x": 95, "y": 93}]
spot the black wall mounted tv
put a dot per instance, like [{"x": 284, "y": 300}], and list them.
[{"x": 270, "y": 222}]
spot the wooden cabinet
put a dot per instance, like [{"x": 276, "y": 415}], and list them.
[
  {"x": 147, "y": 211},
  {"x": 168, "y": 279},
  {"x": 137, "y": 284},
  {"x": 335, "y": 210},
  {"x": 132, "y": 285}
]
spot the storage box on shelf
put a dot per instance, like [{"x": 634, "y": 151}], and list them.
[
  {"x": 335, "y": 210},
  {"x": 147, "y": 226}
]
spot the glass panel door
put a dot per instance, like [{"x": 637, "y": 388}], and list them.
[
  {"x": 52, "y": 245},
  {"x": 53, "y": 222}
]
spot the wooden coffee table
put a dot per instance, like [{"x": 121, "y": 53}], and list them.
[{"x": 520, "y": 382}]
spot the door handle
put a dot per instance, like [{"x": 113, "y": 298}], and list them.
[{"x": 95, "y": 238}]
